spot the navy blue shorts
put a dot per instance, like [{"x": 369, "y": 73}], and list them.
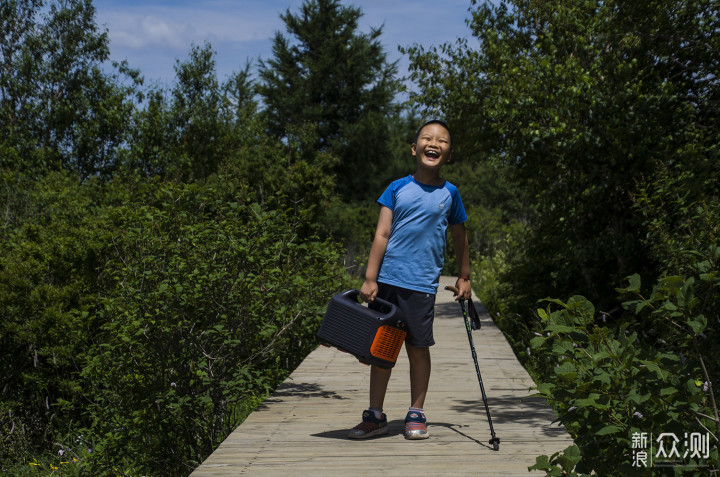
[{"x": 418, "y": 308}]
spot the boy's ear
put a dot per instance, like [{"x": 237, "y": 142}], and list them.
[{"x": 412, "y": 148}]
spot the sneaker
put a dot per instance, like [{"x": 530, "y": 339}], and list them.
[
  {"x": 415, "y": 425},
  {"x": 369, "y": 427}
]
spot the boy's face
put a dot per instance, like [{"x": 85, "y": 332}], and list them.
[{"x": 432, "y": 148}]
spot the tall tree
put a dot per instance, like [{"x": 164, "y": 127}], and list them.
[
  {"x": 59, "y": 106},
  {"x": 331, "y": 76},
  {"x": 580, "y": 101},
  {"x": 195, "y": 111},
  {"x": 189, "y": 132}
]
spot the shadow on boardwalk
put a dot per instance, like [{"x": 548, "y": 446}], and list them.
[
  {"x": 290, "y": 389},
  {"x": 301, "y": 428}
]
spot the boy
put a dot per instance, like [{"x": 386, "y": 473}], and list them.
[{"x": 404, "y": 267}]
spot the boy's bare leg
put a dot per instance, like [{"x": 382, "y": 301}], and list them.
[
  {"x": 379, "y": 379},
  {"x": 420, "y": 366},
  {"x": 419, "y": 374},
  {"x": 372, "y": 423}
]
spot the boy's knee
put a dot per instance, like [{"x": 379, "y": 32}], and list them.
[{"x": 416, "y": 351}]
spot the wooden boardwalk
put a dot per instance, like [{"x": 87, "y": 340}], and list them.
[{"x": 300, "y": 430}]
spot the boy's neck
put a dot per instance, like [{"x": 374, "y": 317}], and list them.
[{"x": 427, "y": 177}]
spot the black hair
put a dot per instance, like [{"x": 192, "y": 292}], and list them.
[{"x": 434, "y": 121}]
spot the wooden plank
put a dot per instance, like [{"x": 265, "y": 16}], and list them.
[{"x": 301, "y": 428}]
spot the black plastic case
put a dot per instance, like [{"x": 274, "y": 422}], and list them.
[{"x": 373, "y": 335}]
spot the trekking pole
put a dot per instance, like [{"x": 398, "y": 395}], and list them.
[{"x": 494, "y": 440}]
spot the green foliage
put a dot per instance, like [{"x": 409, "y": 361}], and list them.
[
  {"x": 49, "y": 254},
  {"x": 214, "y": 302},
  {"x": 560, "y": 463},
  {"x": 652, "y": 375},
  {"x": 150, "y": 152},
  {"x": 665, "y": 363},
  {"x": 601, "y": 120},
  {"x": 329, "y": 75},
  {"x": 195, "y": 125},
  {"x": 285, "y": 177},
  {"x": 154, "y": 294},
  {"x": 59, "y": 107},
  {"x": 354, "y": 225},
  {"x": 191, "y": 131},
  {"x": 160, "y": 270},
  {"x": 143, "y": 321},
  {"x": 681, "y": 215},
  {"x": 578, "y": 103}
]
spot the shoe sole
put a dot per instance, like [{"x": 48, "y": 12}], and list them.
[
  {"x": 377, "y": 432},
  {"x": 416, "y": 435}
]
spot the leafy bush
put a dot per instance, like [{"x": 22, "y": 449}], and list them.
[
  {"x": 212, "y": 301},
  {"x": 49, "y": 252},
  {"x": 653, "y": 375},
  {"x": 144, "y": 321}
]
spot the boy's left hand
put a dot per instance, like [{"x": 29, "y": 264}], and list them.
[{"x": 464, "y": 288}]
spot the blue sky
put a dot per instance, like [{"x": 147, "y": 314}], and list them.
[{"x": 152, "y": 34}]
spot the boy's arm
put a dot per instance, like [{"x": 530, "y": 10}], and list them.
[
  {"x": 377, "y": 252},
  {"x": 462, "y": 252}
]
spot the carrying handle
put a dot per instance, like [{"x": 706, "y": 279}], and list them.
[{"x": 354, "y": 294}]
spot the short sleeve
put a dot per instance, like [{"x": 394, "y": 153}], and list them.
[
  {"x": 388, "y": 197},
  {"x": 457, "y": 212}
]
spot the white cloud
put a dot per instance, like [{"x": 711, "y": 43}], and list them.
[
  {"x": 152, "y": 34},
  {"x": 149, "y": 31},
  {"x": 176, "y": 28}
]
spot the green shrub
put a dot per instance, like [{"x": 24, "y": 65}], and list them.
[
  {"x": 212, "y": 302},
  {"x": 142, "y": 321},
  {"x": 653, "y": 375},
  {"x": 49, "y": 252}
]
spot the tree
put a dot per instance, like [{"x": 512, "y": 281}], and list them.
[
  {"x": 112, "y": 292},
  {"x": 49, "y": 279},
  {"x": 195, "y": 114},
  {"x": 59, "y": 107},
  {"x": 331, "y": 76},
  {"x": 189, "y": 132},
  {"x": 580, "y": 102}
]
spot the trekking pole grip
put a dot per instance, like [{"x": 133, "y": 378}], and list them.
[{"x": 453, "y": 289}]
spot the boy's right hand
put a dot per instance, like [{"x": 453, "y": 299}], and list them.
[{"x": 369, "y": 291}]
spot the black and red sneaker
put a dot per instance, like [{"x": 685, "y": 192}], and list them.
[{"x": 370, "y": 426}]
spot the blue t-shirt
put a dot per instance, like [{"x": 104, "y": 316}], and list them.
[{"x": 416, "y": 249}]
